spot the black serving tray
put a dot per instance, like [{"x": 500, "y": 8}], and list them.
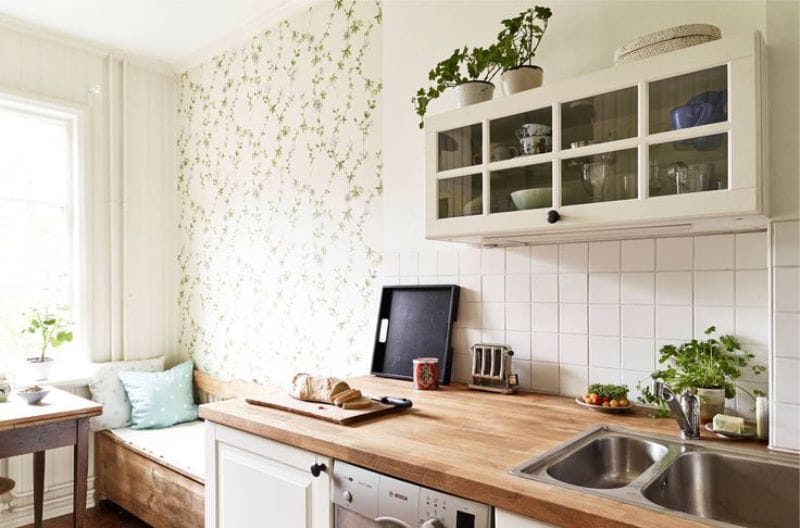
[{"x": 413, "y": 322}]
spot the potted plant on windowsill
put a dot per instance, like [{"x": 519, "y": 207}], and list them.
[
  {"x": 708, "y": 368},
  {"x": 517, "y": 44},
  {"x": 51, "y": 331},
  {"x": 468, "y": 71}
]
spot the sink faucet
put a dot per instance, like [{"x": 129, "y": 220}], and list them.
[{"x": 686, "y": 411}]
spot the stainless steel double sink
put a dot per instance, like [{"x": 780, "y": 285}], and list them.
[{"x": 720, "y": 486}]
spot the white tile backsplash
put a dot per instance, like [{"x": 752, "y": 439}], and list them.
[
  {"x": 544, "y": 259},
  {"x": 544, "y": 346},
  {"x": 518, "y": 288},
  {"x": 573, "y": 258},
  {"x": 544, "y": 287},
  {"x": 493, "y": 260},
  {"x": 638, "y": 288},
  {"x": 752, "y": 288},
  {"x": 572, "y": 318},
  {"x": 604, "y": 256},
  {"x": 518, "y": 316},
  {"x": 674, "y": 254},
  {"x": 493, "y": 288},
  {"x": 674, "y": 287},
  {"x": 428, "y": 263},
  {"x": 714, "y": 288},
  {"x": 604, "y": 319},
  {"x": 714, "y": 252},
  {"x": 604, "y": 287},
  {"x": 787, "y": 243},
  {"x": 544, "y": 317},
  {"x": 572, "y": 288},
  {"x": 639, "y": 255},
  {"x": 787, "y": 289},
  {"x": 751, "y": 250},
  {"x": 447, "y": 263},
  {"x": 574, "y": 349},
  {"x": 518, "y": 260},
  {"x": 600, "y": 311},
  {"x": 638, "y": 321}
]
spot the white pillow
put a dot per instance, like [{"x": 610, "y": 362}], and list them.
[{"x": 107, "y": 389}]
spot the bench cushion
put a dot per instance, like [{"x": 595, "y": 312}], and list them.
[{"x": 181, "y": 446}]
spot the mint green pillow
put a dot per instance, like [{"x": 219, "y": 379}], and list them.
[{"x": 160, "y": 399}]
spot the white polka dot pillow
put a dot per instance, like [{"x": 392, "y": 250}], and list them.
[
  {"x": 160, "y": 399},
  {"x": 107, "y": 389}
]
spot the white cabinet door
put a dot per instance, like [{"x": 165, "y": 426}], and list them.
[
  {"x": 257, "y": 483},
  {"x": 503, "y": 519}
]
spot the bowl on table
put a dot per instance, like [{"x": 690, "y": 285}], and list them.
[
  {"x": 33, "y": 394},
  {"x": 532, "y": 198}
]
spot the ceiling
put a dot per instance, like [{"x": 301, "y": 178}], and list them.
[{"x": 173, "y": 31}]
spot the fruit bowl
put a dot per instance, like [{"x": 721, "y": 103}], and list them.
[{"x": 600, "y": 408}]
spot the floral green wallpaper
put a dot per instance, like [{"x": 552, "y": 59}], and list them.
[{"x": 280, "y": 183}]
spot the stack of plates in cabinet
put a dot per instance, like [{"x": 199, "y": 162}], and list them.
[{"x": 666, "y": 40}]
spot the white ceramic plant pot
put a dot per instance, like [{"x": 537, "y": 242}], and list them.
[
  {"x": 473, "y": 92},
  {"x": 712, "y": 402},
  {"x": 38, "y": 370},
  {"x": 521, "y": 79}
]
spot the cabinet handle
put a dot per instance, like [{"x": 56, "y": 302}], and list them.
[
  {"x": 553, "y": 216},
  {"x": 317, "y": 469}
]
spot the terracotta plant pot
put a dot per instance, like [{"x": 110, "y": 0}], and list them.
[
  {"x": 712, "y": 402},
  {"x": 521, "y": 79},
  {"x": 36, "y": 370},
  {"x": 473, "y": 92}
]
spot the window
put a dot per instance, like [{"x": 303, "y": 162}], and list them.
[{"x": 38, "y": 222}]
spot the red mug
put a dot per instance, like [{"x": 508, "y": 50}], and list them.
[{"x": 426, "y": 373}]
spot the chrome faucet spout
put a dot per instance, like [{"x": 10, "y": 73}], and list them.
[{"x": 685, "y": 410}]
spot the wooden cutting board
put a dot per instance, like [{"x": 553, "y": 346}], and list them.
[{"x": 323, "y": 411}]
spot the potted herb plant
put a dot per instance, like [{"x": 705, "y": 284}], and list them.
[
  {"x": 51, "y": 330},
  {"x": 517, "y": 44},
  {"x": 468, "y": 71},
  {"x": 709, "y": 368}
]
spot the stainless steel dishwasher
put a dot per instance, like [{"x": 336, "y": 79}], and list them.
[{"x": 365, "y": 499}]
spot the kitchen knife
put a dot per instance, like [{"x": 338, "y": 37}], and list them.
[{"x": 393, "y": 400}]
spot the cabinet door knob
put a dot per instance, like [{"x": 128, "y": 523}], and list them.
[
  {"x": 553, "y": 216},
  {"x": 316, "y": 469}
]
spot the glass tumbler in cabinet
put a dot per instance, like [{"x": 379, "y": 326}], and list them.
[
  {"x": 605, "y": 177},
  {"x": 688, "y": 166}
]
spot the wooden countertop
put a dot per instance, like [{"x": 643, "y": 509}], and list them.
[
  {"x": 465, "y": 442},
  {"x": 58, "y": 405}
]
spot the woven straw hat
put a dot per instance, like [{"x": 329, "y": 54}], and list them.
[{"x": 666, "y": 40}]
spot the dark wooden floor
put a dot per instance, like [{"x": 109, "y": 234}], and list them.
[{"x": 107, "y": 515}]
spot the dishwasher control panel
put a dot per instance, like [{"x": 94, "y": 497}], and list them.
[{"x": 379, "y": 497}]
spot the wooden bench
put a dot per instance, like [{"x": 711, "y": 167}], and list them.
[{"x": 161, "y": 494}]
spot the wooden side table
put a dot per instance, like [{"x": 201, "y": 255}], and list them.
[{"x": 61, "y": 419}]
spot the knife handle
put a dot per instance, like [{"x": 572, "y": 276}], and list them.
[{"x": 397, "y": 402}]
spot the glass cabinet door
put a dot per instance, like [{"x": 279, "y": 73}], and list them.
[
  {"x": 460, "y": 147},
  {"x": 603, "y": 177},
  {"x": 460, "y": 196},
  {"x": 605, "y": 117},
  {"x": 521, "y": 188},
  {"x": 692, "y": 165},
  {"x": 521, "y": 134},
  {"x": 690, "y": 100}
]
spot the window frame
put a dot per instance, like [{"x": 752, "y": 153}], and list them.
[{"x": 74, "y": 117}]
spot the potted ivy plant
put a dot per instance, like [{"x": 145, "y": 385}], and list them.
[
  {"x": 708, "y": 368},
  {"x": 51, "y": 330},
  {"x": 517, "y": 44},
  {"x": 468, "y": 71}
]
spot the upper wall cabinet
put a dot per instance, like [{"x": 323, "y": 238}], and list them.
[{"x": 668, "y": 144}]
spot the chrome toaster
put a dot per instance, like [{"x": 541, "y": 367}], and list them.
[{"x": 491, "y": 368}]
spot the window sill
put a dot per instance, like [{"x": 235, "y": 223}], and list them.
[{"x": 62, "y": 376}]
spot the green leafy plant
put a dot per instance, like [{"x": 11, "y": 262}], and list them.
[
  {"x": 520, "y": 38},
  {"x": 51, "y": 329},
  {"x": 709, "y": 364},
  {"x": 463, "y": 65}
]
